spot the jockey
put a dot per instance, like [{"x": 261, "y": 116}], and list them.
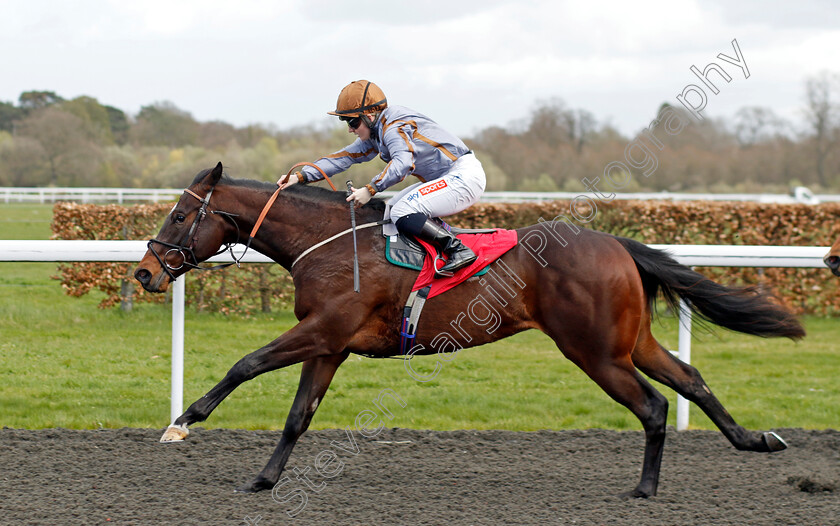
[{"x": 451, "y": 178}]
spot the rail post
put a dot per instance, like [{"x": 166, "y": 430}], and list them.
[
  {"x": 684, "y": 349},
  {"x": 176, "y": 404}
]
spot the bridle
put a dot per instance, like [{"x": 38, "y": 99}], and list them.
[
  {"x": 185, "y": 246},
  {"x": 182, "y": 248}
]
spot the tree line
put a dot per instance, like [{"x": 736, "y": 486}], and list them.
[{"x": 46, "y": 140}]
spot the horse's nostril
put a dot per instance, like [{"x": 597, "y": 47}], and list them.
[{"x": 143, "y": 276}]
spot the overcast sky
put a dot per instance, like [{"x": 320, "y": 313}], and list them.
[{"x": 467, "y": 64}]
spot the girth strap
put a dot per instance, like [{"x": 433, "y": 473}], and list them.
[{"x": 411, "y": 317}]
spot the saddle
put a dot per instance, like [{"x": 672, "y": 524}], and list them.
[
  {"x": 488, "y": 244},
  {"x": 404, "y": 251}
]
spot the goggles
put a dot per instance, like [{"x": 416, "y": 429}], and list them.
[{"x": 352, "y": 122}]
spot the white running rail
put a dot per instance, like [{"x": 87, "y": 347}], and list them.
[
  {"x": 14, "y": 194},
  {"x": 133, "y": 251}
]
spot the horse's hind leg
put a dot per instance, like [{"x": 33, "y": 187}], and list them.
[
  {"x": 315, "y": 378},
  {"x": 602, "y": 350},
  {"x": 656, "y": 362},
  {"x": 626, "y": 386},
  {"x": 608, "y": 364}
]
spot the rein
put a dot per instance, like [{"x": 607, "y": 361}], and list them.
[
  {"x": 183, "y": 249},
  {"x": 283, "y": 180}
]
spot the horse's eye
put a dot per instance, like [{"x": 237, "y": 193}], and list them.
[{"x": 179, "y": 218}]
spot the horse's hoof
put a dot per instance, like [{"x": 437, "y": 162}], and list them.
[
  {"x": 774, "y": 442},
  {"x": 635, "y": 494},
  {"x": 174, "y": 433},
  {"x": 258, "y": 484}
]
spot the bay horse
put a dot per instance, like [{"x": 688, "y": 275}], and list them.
[{"x": 593, "y": 295}]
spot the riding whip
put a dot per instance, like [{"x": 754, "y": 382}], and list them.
[{"x": 355, "y": 250}]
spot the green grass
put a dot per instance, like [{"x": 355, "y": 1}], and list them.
[
  {"x": 64, "y": 362},
  {"x": 24, "y": 221}
]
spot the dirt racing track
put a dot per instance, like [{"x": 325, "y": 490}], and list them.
[{"x": 405, "y": 476}]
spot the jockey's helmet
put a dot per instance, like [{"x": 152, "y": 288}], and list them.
[{"x": 359, "y": 97}]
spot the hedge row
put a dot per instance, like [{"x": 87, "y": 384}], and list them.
[
  {"x": 226, "y": 291},
  {"x": 811, "y": 291}
]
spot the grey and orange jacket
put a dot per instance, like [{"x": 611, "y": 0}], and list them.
[{"x": 411, "y": 144}]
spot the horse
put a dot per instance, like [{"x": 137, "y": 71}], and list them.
[
  {"x": 593, "y": 294},
  {"x": 832, "y": 258}
]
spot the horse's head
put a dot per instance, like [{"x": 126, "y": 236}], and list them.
[
  {"x": 191, "y": 233},
  {"x": 832, "y": 259}
]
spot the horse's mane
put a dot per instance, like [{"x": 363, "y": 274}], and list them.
[{"x": 310, "y": 193}]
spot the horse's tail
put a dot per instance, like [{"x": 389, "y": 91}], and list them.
[{"x": 742, "y": 309}]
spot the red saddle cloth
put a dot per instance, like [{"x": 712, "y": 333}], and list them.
[{"x": 488, "y": 247}]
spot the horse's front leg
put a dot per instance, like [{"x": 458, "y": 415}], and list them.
[
  {"x": 315, "y": 378},
  {"x": 302, "y": 342}
]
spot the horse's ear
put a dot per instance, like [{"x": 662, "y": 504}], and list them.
[
  {"x": 207, "y": 179},
  {"x": 216, "y": 174}
]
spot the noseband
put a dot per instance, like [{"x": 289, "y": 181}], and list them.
[{"x": 185, "y": 246}]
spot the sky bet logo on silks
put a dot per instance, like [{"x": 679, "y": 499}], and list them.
[{"x": 434, "y": 187}]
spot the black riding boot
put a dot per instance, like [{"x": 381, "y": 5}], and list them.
[{"x": 459, "y": 255}]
